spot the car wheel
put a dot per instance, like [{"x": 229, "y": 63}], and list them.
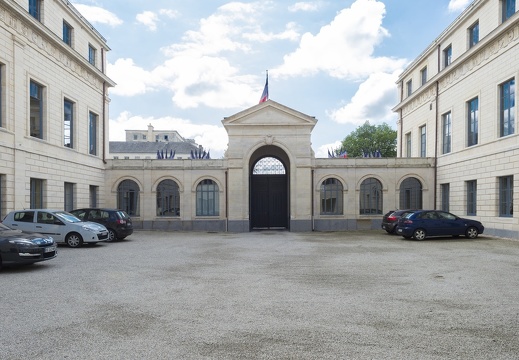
[
  {"x": 111, "y": 236},
  {"x": 419, "y": 234},
  {"x": 471, "y": 232},
  {"x": 74, "y": 240}
]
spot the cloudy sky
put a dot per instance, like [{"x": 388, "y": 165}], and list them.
[{"x": 186, "y": 64}]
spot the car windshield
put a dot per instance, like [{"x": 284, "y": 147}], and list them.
[{"x": 67, "y": 217}]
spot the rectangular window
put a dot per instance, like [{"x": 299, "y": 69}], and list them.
[
  {"x": 408, "y": 144},
  {"x": 447, "y": 56},
  {"x": 506, "y": 196},
  {"x": 507, "y": 108},
  {"x": 472, "y": 122},
  {"x": 445, "y": 194},
  {"x": 474, "y": 34},
  {"x": 135, "y": 137},
  {"x": 93, "y": 196},
  {"x": 423, "y": 141},
  {"x": 67, "y": 33},
  {"x": 68, "y": 123},
  {"x": 36, "y": 111},
  {"x": 508, "y": 8},
  {"x": 37, "y": 194},
  {"x": 423, "y": 76},
  {"x": 92, "y": 52},
  {"x": 446, "y": 133},
  {"x": 92, "y": 133},
  {"x": 409, "y": 87},
  {"x": 2, "y": 95},
  {"x": 143, "y": 137},
  {"x": 35, "y": 9},
  {"x": 69, "y": 197},
  {"x": 471, "y": 197}
]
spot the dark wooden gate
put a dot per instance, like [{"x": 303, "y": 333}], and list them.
[{"x": 269, "y": 202}]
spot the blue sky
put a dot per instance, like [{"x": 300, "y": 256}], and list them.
[{"x": 185, "y": 65}]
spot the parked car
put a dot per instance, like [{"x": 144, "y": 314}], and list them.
[
  {"x": 420, "y": 224},
  {"x": 118, "y": 222},
  {"x": 390, "y": 220},
  {"x": 61, "y": 225},
  {"x": 22, "y": 248}
]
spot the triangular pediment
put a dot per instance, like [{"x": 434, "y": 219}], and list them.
[{"x": 269, "y": 113}]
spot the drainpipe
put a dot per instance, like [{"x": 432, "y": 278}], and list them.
[
  {"x": 226, "y": 201},
  {"x": 401, "y": 116},
  {"x": 312, "y": 200},
  {"x": 104, "y": 104},
  {"x": 437, "y": 126}
]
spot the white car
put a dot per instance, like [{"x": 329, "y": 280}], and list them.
[{"x": 61, "y": 225}]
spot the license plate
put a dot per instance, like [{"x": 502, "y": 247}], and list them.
[{"x": 50, "y": 249}]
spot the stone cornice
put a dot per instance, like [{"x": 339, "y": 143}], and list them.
[{"x": 46, "y": 43}]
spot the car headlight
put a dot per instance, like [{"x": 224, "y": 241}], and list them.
[{"x": 88, "y": 228}]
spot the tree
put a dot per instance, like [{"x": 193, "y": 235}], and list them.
[{"x": 370, "y": 139}]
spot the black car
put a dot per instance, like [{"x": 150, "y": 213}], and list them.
[
  {"x": 118, "y": 222},
  {"x": 390, "y": 220},
  {"x": 22, "y": 248},
  {"x": 420, "y": 224}
]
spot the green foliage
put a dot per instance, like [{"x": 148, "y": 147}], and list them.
[{"x": 370, "y": 138}]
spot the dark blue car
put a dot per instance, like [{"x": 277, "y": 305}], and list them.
[{"x": 420, "y": 224}]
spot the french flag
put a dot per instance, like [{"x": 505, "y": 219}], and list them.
[{"x": 265, "y": 95}]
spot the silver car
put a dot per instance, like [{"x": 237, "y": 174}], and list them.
[{"x": 61, "y": 225}]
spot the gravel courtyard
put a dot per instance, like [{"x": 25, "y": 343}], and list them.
[{"x": 266, "y": 295}]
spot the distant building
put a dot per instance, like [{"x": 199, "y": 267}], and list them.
[{"x": 152, "y": 144}]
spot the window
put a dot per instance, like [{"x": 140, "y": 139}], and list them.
[
  {"x": 408, "y": 144},
  {"x": 69, "y": 197},
  {"x": 445, "y": 194},
  {"x": 35, "y": 9},
  {"x": 92, "y": 52},
  {"x": 472, "y": 125},
  {"x": 2, "y": 207},
  {"x": 128, "y": 197},
  {"x": 331, "y": 197},
  {"x": 166, "y": 137},
  {"x": 2, "y": 95},
  {"x": 409, "y": 87},
  {"x": 508, "y": 9},
  {"x": 68, "y": 123},
  {"x": 168, "y": 198},
  {"x": 92, "y": 134},
  {"x": 143, "y": 137},
  {"x": 447, "y": 56},
  {"x": 446, "y": 132},
  {"x": 93, "y": 196},
  {"x": 471, "y": 197},
  {"x": 506, "y": 196},
  {"x": 474, "y": 34},
  {"x": 423, "y": 141},
  {"x": 207, "y": 198},
  {"x": 135, "y": 137},
  {"x": 370, "y": 197},
  {"x": 507, "y": 108},
  {"x": 36, "y": 111},
  {"x": 67, "y": 33},
  {"x": 423, "y": 76},
  {"x": 37, "y": 194},
  {"x": 411, "y": 194}
]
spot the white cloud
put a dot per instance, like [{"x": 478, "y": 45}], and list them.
[
  {"x": 458, "y": 5},
  {"x": 172, "y": 14},
  {"x": 322, "y": 151},
  {"x": 130, "y": 79},
  {"x": 148, "y": 19},
  {"x": 211, "y": 137},
  {"x": 373, "y": 101},
  {"x": 344, "y": 48},
  {"x": 290, "y": 33},
  {"x": 305, "y": 6},
  {"x": 97, "y": 15}
]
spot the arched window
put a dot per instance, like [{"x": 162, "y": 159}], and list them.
[
  {"x": 128, "y": 197},
  {"x": 331, "y": 197},
  {"x": 269, "y": 166},
  {"x": 207, "y": 199},
  {"x": 168, "y": 198},
  {"x": 411, "y": 194},
  {"x": 370, "y": 197}
]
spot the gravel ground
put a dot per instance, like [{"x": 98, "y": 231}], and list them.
[{"x": 266, "y": 295}]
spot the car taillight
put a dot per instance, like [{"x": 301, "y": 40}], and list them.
[
  {"x": 391, "y": 218},
  {"x": 121, "y": 222}
]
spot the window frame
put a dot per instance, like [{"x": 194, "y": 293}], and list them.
[
  {"x": 35, "y": 9},
  {"x": 408, "y": 144},
  {"x": 471, "y": 187},
  {"x": 473, "y": 121},
  {"x": 168, "y": 197},
  {"x": 68, "y": 196},
  {"x": 93, "y": 119},
  {"x": 423, "y": 76},
  {"x": 506, "y": 196},
  {"x": 371, "y": 197},
  {"x": 507, "y": 9},
  {"x": 128, "y": 197},
  {"x": 207, "y": 198},
  {"x": 409, "y": 87},
  {"x": 92, "y": 55},
  {"x": 68, "y": 129},
  {"x": 473, "y": 34},
  {"x": 37, "y": 103},
  {"x": 68, "y": 33},
  {"x": 507, "y": 111},
  {"x": 447, "y": 132},
  {"x": 445, "y": 196},
  {"x": 93, "y": 196},
  {"x": 331, "y": 197},
  {"x": 447, "y": 56},
  {"x": 37, "y": 191},
  {"x": 411, "y": 194},
  {"x": 423, "y": 141}
]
